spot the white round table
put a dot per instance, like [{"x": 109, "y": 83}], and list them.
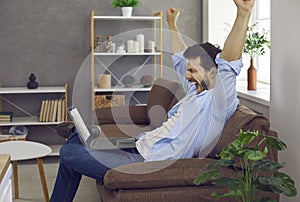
[{"x": 25, "y": 150}]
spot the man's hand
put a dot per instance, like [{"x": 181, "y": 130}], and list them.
[
  {"x": 172, "y": 16},
  {"x": 244, "y": 5}
]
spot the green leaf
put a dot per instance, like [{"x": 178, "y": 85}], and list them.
[
  {"x": 254, "y": 155},
  {"x": 231, "y": 194},
  {"x": 279, "y": 183},
  {"x": 256, "y": 40},
  {"x": 228, "y": 182},
  {"x": 247, "y": 137},
  {"x": 287, "y": 183},
  {"x": 218, "y": 163},
  {"x": 267, "y": 165},
  {"x": 275, "y": 143},
  {"x": 206, "y": 176},
  {"x": 266, "y": 151},
  {"x": 125, "y": 3}
]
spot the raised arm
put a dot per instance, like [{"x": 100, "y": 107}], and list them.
[
  {"x": 235, "y": 41},
  {"x": 177, "y": 44}
]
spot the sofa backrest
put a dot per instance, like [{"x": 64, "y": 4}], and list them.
[
  {"x": 159, "y": 100},
  {"x": 244, "y": 119}
]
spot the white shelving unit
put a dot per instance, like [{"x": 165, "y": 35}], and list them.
[
  {"x": 32, "y": 120},
  {"x": 124, "y": 54},
  {"x": 156, "y": 55},
  {"x": 138, "y": 88},
  {"x": 133, "y": 18},
  {"x": 28, "y": 121},
  {"x": 23, "y": 90}
]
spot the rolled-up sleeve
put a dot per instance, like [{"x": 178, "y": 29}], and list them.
[{"x": 224, "y": 94}]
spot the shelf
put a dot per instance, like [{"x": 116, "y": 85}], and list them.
[
  {"x": 25, "y": 90},
  {"x": 32, "y": 121},
  {"x": 136, "y": 88},
  {"x": 121, "y": 54},
  {"x": 142, "y": 18}
]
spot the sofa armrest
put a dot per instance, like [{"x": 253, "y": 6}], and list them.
[
  {"x": 156, "y": 174},
  {"x": 122, "y": 115}
]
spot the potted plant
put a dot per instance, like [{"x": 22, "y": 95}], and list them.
[
  {"x": 255, "y": 45},
  {"x": 126, "y": 6},
  {"x": 249, "y": 182}
]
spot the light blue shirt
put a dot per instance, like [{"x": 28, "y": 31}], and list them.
[{"x": 203, "y": 116}]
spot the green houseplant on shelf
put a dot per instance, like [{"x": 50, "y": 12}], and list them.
[
  {"x": 254, "y": 172},
  {"x": 126, "y": 6},
  {"x": 255, "y": 45}
]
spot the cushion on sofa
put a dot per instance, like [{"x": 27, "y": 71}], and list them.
[
  {"x": 168, "y": 173},
  {"x": 122, "y": 115},
  {"x": 243, "y": 118},
  {"x": 123, "y": 130},
  {"x": 159, "y": 100},
  {"x": 166, "y": 194}
]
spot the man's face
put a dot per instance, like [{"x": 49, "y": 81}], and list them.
[{"x": 196, "y": 74}]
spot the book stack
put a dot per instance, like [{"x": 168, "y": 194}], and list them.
[
  {"x": 5, "y": 117},
  {"x": 53, "y": 111}
]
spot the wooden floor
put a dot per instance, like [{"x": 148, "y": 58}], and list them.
[{"x": 30, "y": 188}]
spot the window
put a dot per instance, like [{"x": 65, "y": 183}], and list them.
[
  {"x": 261, "y": 15},
  {"x": 220, "y": 23}
]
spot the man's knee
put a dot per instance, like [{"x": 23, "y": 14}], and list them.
[{"x": 67, "y": 153}]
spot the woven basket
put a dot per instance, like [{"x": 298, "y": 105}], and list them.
[{"x": 109, "y": 101}]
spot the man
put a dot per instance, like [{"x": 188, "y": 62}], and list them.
[{"x": 193, "y": 124}]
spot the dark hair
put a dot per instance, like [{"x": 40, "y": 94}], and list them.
[{"x": 207, "y": 53}]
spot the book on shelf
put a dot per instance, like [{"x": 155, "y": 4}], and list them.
[
  {"x": 6, "y": 117},
  {"x": 52, "y": 110},
  {"x": 46, "y": 110},
  {"x": 42, "y": 111},
  {"x": 59, "y": 110},
  {"x": 54, "y": 113}
]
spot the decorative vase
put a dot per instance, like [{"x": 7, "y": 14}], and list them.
[
  {"x": 126, "y": 11},
  {"x": 252, "y": 76},
  {"x": 32, "y": 84}
]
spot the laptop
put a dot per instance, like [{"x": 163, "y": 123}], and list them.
[{"x": 93, "y": 140}]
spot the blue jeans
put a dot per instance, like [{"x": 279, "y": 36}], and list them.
[{"x": 77, "y": 160}]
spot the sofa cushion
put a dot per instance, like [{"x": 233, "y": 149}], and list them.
[
  {"x": 122, "y": 115},
  {"x": 244, "y": 119},
  {"x": 123, "y": 130},
  {"x": 166, "y": 194},
  {"x": 159, "y": 100},
  {"x": 168, "y": 173}
]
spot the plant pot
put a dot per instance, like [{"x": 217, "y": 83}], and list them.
[
  {"x": 252, "y": 76},
  {"x": 126, "y": 11}
]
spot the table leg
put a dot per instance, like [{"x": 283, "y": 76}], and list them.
[
  {"x": 43, "y": 179},
  {"x": 15, "y": 176}
]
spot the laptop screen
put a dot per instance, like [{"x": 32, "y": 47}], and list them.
[{"x": 79, "y": 123}]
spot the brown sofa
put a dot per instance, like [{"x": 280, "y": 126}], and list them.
[{"x": 170, "y": 180}]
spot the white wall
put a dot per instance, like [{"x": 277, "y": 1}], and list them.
[{"x": 285, "y": 83}]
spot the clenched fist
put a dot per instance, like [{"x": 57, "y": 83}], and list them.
[{"x": 172, "y": 16}]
